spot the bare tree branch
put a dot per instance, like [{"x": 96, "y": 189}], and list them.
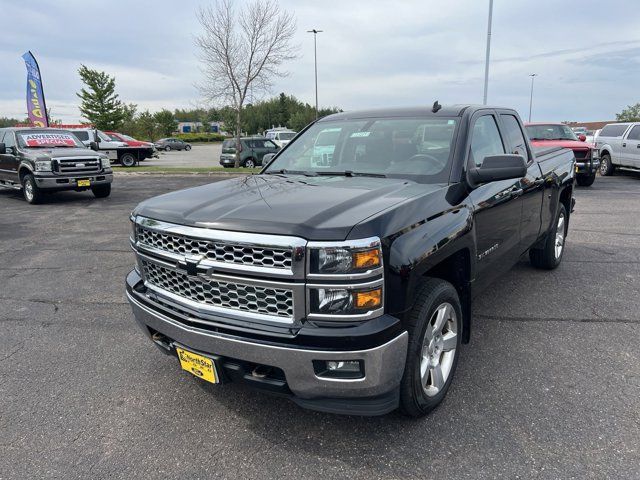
[{"x": 242, "y": 50}]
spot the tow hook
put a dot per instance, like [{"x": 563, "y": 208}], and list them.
[{"x": 261, "y": 371}]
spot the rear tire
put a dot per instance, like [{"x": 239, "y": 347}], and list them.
[
  {"x": 550, "y": 255},
  {"x": 101, "y": 191},
  {"x": 606, "y": 167},
  {"x": 435, "y": 330},
  {"x": 187, "y": 148},
  {"x": 586, "y": 180},
  {"x": 32, "y": 194},
  {"x": 127, "y": 160},
  {"x": 167, "y": 148},
  {"x": 249, "y": 163}
]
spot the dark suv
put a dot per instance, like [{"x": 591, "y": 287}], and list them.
[
  {"x": 168, "y": 144},
  {"x": 252, "y": 150}
]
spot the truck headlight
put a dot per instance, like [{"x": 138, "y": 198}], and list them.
[
  {"x": 354, "y": 256},
  {"x": 43, "y": 165},
  {"x": 105, "y": 163},
  {"x": 345, "y": 301}
]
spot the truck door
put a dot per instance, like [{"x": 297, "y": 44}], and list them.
[
  {"x": 631, "y": 148},
  {"x": 497, "y": 205},
  {"x": 531, "y": 187},
  {"x": 9, "y": 160}
]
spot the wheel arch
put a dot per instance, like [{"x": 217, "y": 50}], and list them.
[{"x": 23, "y": 171}]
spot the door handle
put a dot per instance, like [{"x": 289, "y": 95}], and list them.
[
  {"x": 638, "y": 145},
  {"x": 624, "y": 144},
  {"x": 516, "y": 192}
]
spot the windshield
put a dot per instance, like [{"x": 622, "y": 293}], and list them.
[
  {"x": 113, "y": 137},
  {"x": 415, "y": 148},
  {"x": 287, "y": 135},
  {"x": 550, "y": 132},
  {"x": 48, "y": 139}
]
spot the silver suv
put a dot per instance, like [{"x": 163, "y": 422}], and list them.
[{"x": 619, "y": 146}]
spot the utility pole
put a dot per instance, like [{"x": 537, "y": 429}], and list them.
[
  {"x": 315, "y": 61},
  {"x": 486, "y": 62},
  {"x": 533, "y": 76}
]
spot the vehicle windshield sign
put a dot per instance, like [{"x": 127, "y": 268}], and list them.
[{"x": 48, "y": 140}]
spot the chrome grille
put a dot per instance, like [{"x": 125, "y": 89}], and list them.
[
  {"x": 77, "y": 165},
  {"x": 230, "y": 295},
  {"x": 257, "y": 256}
]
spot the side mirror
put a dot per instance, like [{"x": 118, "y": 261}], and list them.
[
  {"x": 93, "y": 146},
  {"x": 582, "y": 138},
  {"x": 499, "y": 167},
  {"x": 3, "y": 149},
  {"x": 267, "y": 159}
]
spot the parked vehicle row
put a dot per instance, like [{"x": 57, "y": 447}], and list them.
[
  {"x": 115, "y": 149},
  {"x": 47, "y": 160},
  {"x": 252, "y": 151},
  {"x": 342, "y": 275}
]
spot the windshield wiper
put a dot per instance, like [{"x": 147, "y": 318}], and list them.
[
  {"x": 351, "y": 173},
  {"x": 284, "y": 171}
]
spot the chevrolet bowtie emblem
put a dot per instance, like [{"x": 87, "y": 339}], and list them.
[{"x": 190, "y": 264}]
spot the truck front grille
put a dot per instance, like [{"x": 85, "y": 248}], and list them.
[
  {"x": 582, "y": 154},
  {"x": 77, "y": 165},
  {"x": 257, "y": 256},
  {"x": 229, "y": 295}
]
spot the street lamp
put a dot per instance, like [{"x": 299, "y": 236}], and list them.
[
  {"x": 315, "y": 61},
  {"x": 533, "y": 76},
  {"x": 486, "y": 62}
]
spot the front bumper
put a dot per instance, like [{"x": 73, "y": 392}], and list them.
[
  {"x": 588, "y": 167},
  {"x": 70, "y": 182},
  {"x": 374, "y": 394}
]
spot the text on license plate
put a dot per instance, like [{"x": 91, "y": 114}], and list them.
[
  {"x": 197, "y": 365},
  {"x": 84, "y": 183}
]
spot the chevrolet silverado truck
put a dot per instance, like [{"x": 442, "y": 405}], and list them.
[
  {"x": 346, "y": 285},
  {"x": 47, "y": 160},
  {"x": 560, "y": 135}
]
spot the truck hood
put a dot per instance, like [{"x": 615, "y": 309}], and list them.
[
  {"x": 60, "y": 152},
  {"x": 314, "y": 208},
  {"x": 572, "y": 144}
]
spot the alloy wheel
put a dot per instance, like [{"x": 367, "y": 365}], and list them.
[
  {"x": 28, "y": 190},
  {"x": 438, "y": 349},
  {"x": 559, "y": 245}
]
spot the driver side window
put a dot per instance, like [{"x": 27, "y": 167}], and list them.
[{"x": 485, "y": 140}]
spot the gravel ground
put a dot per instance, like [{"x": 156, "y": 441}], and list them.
[{"x": 549, "y": 386}]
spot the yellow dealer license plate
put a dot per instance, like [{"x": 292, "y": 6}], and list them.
[
  {"x": 84, "y": 183},
  {"x": 197, "y": 365}
]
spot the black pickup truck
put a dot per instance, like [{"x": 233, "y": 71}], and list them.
[
  {"x": 342, "y": 275},
  {"x": 39, "y": 160}
]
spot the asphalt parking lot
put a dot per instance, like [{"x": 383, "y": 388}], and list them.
[
  {"x": 203, "y": 155},
  {"x": 548, "y": 388}
]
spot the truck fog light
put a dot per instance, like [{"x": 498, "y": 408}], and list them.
[{"x": 345, "y": 369}]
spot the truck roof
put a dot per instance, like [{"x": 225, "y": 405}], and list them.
[{"x": 426, "y": 111}]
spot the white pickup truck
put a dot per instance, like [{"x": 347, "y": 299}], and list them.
[{"x": 619, "y": 146}]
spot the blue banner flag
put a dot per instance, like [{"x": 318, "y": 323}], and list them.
[{"x": 36, "y": 108}]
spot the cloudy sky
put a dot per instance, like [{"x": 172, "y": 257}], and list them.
[{"x": 371, "y": 54}]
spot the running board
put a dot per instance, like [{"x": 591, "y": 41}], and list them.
[{"x": 15, "y": 186}]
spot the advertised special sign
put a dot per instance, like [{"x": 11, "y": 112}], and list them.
[{"x": 48, "y": 139}]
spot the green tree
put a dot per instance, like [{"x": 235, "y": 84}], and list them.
[
  {"x": 100, "y": 104},
  {"x": 166, "y": 122},
  {"x": 8, "y": 122},
  {"x": 147, "y": 126},
  {"x": 629, "y": 114}
]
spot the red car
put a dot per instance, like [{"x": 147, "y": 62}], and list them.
[
  {"x": 132, "y": 142},
  {"x": 560, "y": 135}
]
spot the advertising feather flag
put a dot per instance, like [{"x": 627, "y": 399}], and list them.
[{"x": 36, "y": 107}]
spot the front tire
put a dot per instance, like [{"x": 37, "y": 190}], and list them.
[
  {"x": 550, "y": 255},
  {"x": 128, "y": 160},
  {"x": 435, "y": 330},
  {"x": 606, "y": 167},
  {"x": 586, "y": 180},
  {"x": 32, "y": 194},
  {"x": 249, "y": 163},
  {"x": 187, "y": 148},
  {"x": 101, "y": 191},
  {"x": 167, "y": 148}
]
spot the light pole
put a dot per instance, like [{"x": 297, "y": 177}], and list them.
[
  {"x": 533, "y": 76},
  {"x": 315, "y": 62},
  {"x": 486, "y": 62}
]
